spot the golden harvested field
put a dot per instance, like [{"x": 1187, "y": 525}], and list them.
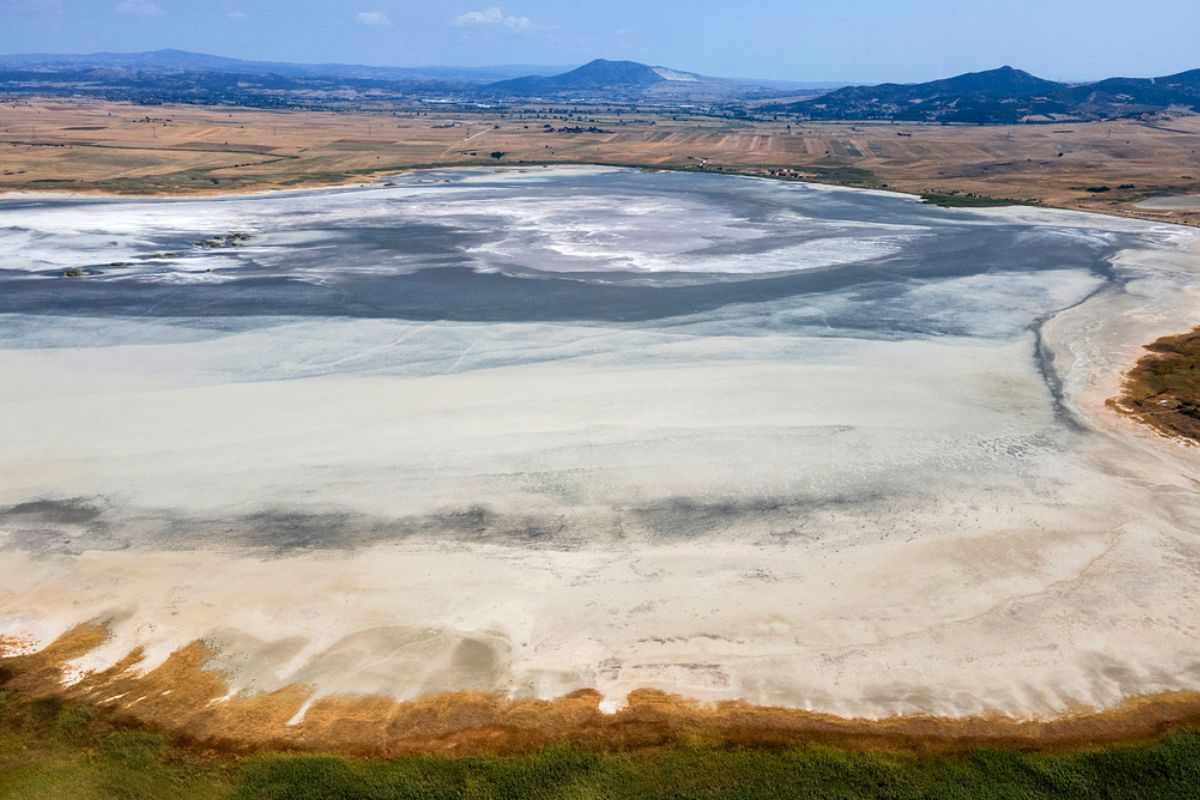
[{"x": 123, "y": 148}]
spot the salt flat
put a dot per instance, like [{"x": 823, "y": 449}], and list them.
[{"x": 533, "y": 431}]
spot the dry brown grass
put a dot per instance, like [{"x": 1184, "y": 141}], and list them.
[
  {"x": 1163, "y": 388},
  {"x": 111, "y": 147}
]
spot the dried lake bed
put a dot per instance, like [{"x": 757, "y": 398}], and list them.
[{"x": 534, "y": 431}]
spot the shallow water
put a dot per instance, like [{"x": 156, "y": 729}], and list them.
[{"x": 602, "y": 246}]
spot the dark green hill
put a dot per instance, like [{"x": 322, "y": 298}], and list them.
[{"x": 1003, "y": 95}]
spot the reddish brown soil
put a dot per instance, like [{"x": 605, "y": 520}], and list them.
[{"x": 184, "y": 699}]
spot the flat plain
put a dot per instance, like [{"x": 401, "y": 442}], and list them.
[{"x": 1108, "y": 167}]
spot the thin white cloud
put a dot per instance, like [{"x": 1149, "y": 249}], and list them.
[
  {"x": 140, "y": 8},
  {"x": 238, "y": 15},
  {"x": 375, "y": 19},
  {"x": 493, "y": 16}
]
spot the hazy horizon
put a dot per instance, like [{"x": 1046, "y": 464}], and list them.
[{"x": 859, "y": 41}]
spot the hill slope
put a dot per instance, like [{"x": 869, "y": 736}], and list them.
[
  {"x": 595, "y": 75},
  {"x": 612, "y": 80},
  {"x": 1003, "y": 95}
]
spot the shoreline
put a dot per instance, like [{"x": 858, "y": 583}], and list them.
[
  {"x": 192, "y": 704},
  {"x": 369, "y": 178}
]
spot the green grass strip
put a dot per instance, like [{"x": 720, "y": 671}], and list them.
[{"x": 50, "y": 750}]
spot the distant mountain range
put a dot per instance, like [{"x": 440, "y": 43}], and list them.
[
  {"x": 1003, "y": 95},
  {"x": 177, "y": 76},
  {"x": 181, "y": 61}
]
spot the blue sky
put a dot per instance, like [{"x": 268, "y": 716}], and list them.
[{"x": 852, "y": 40}]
